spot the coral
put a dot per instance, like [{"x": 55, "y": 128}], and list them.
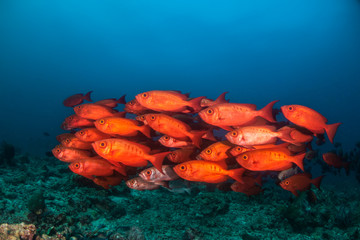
[{"x": 17, "y": 231}]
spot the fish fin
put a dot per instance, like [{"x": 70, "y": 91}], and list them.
[
  {"x": 87, "y": 96},
  {"x": 221, "y": 98},
  {"x": 196, "y": 136},
  {"x": 121, "y": 100},
  {"x": 267, "y": 112},
  {"x": 120, "y": 114},
  {"x": 294, "y": 192},
  {"x": 195, "y": 103},
  {"x": 145, "y": 129},
  {"x": 164, "y": 184},
  {"x": 331, "y": 130},
  {"x": 157, "y": 160},
  {"x": 120, "y": 169},
  {"x": 285, "y": 134},
  {"x": 317, "y": 181},
  {"x": 227, "y": 128},
  {"x": 258, "y": 180},
  {"x": 210, "y": 135},
  {"x": 298, "y": 160},
  {"x": 237, "y": 174}
]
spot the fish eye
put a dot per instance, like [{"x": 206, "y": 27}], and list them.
[
  {"x": 208, "y": 151},
  {"x": 144, "y": 95},
  {"x": 79, "y": 107},
  {"x": 67, "y": 140},
  {"x": 166, "y": 138},
  {"x": 286, "y": 182},
  {"x": 148, "y": 172},
  {"x": 209, "y": 111},
  {"x": 58, "y": 150},
  {"x": 290, "y": 108},
  {"x": 132, "y": 102},
  {"x": 101, "y": 121},
  {"x": 152, "y": 117},
  {"x": 173, "y": 154},
  {"x": 245, "y": 157},
  {"x": 70, "y": 118},
  {"x": 238, "y": 149},
  {"x": 77, "y": 165},
  {"x": 234, "y": 133},
  {"x": 102, "y": 144},
  {"x": 81, "y": 132},
  {"x": 182, "y": 167}
]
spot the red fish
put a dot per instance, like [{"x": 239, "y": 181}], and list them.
[
  {"x": 216, "y": 152},
  {"x": 236, "y": 151},
  {"x": 181, "y": 155},
  {"x": 334, "y": 160},
  {"x": 74, "y": 142},
  {"x": 121, "y": 126},
  {"x": 205, "y": 171},
  {"x": 225, "y": 115},
  {"x": 246, "y": 189},
  {"x": 112, "y": 102},
  {"x": 135, "y": 107},
  {"x": 140, "y": 184},
  {"x": 171, "y": 142},
  {"x": 107, "y": 181},
  {"x": 97, "y": 166},
  {"x": 128, "y": 153},
  {"x": 63, "y": 136},
  {"x": 168, "y": 101},
  {"x": 67, "y": 154},
  {"x": 91, "y": 135},
  {"x": 95, "y": 111},
  {"x": 296, "y": 136},
  {"x": 155, "y": 176},
  {"x": 277, "y": 159},
  {"x": 309, "y": 119},
  {"x": 74, "y": 121},
  {"x": 300, "y": 182},
  {"x": 77, "y": 99},
  {"x": 205, "y": 102}
]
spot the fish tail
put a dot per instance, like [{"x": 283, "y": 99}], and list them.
[
  {"x": 157, "y": 160},
  {"x": 221, "y": 98},
  {"x": 237, "y": 174},
  {"x": 121, "y": 100},
  {"x": 298, "y": 160},
  {"x": 209, "y": 135},
  {"x": 145, "y": 129},
  {"x": 195, "y": 103},
  {"x": 87, "y": 96},
  {"x": 196, "y": 136},
  {"x": 120, "y": 114},
  {"x": 331, "y": 130},
  {"x": 285, "y": 134},
  {"x": 317, "y": 181},
  {"x": 267, "y": 112}
]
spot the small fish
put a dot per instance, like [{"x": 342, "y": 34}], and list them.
[
  {"x": 288, "y": 173},
  {"x": 181, "y": 155},
  {"x": 135, "y": 107},
  {"x": 140, "y": 184},
  {"x": 171, "y": 142},
  {"x": 334, "y": 160},
  {"x": 155, "y": 176},
  {"x": 225, "y": 115},
  {"x": 236, "y": 151},
  {"x": 309, "y": 119},
  {"x": 63, "y": 136},
  {"x": 67, "y": 154},
  {"x": 74, "y": 121},
  {"x": 246, "y": 189},
  {"x": 94, "y": 111},
  {"x": 108, "y": 181},
  {"x": 97, "y": 166},
  {"x": 296, "y": 137},
  {"x": 112, "y": 102},
  {"x": 168, "y": 101},
  {"x": 91, "y": 135},
  {"x": 77, "y": 99},
  {"x": 216, "y": 152},
  {"x": 74, "y": 142},
  {"x": 205, "y": 171},
  {"x": 122, "y": 126},
  {"x": 46, "y": 134},
  {"x": 205, "y": 102},
  {"x": 300, "y": 182}
]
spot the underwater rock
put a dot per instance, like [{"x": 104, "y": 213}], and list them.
[
  {"x": 17, "y": 231},
  {"x": 7, "y": 153},
  {"x": 36, "y": 203}
]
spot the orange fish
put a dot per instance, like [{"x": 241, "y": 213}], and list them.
[
  {"x": 173, "y": 127},
  {"x": 107, "y": 181},
  {"x": 205, "y": 102},
  {"x": 296, "y": 136},
  {"x": 277, "y": 159},
  {"x": 112, "y": 102},
  {"x": 74, "y": 142},
  {"x": 205, "y": 171},
  {"x": 225, "y": 115},
  {"x": 91, "y": 135},
  {"x": 216, "y": 152},
  {"x": 121, "y": 126},
  {"x": 135, "y": 107},
  {"x": 63, "y": 136},
  {"x": 77, "y": 99},
  {"x": 246, "y": 189},
  {"x": 236, "y": 151},
  {"x": 171, "y": 142},
  {"x": 309, "y": 119},
  {"x": 300, "y": 182},
  {"x": 67, "y": 154},
  {"x": 181, "y": 155},
  {"x": 95, "y": 111},
  {"x": 140, "y": 184},
  {"x": 168, "y": 101},
  {"x": 334, "y": 160},
  {"x": 74, "y": 121},
  {"x": 97, "y": 166},
  {"x": 128, "y": 153},
  {"x": 256, "y": 135}
]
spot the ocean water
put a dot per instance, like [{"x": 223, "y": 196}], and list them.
[{"x": 298, "y": 52}]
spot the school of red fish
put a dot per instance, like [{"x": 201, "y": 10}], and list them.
[{"x": 194, "y": 139}]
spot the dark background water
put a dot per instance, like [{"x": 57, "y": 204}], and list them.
[{"x": 300, "y": 52}]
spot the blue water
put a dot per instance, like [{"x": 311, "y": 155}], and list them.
[{"x": 299, "y": 52}]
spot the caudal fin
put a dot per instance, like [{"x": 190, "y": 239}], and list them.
[
  {"x": 157, "y": 160},
  {"x": 267, "y": 112},
  {"x": 196, "y": 136},
  {"x": 145, "y": 129},
  {"x": 298, "y": 160},
  {"x": 331, "y": 130},
  {"x": 195, "y": 103},
  {"x": 87, "y": 96},
  {"x": 317, "y": 181},
  {"x": 285, "y": 134},
  {"x": 237, "y": 174}
]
